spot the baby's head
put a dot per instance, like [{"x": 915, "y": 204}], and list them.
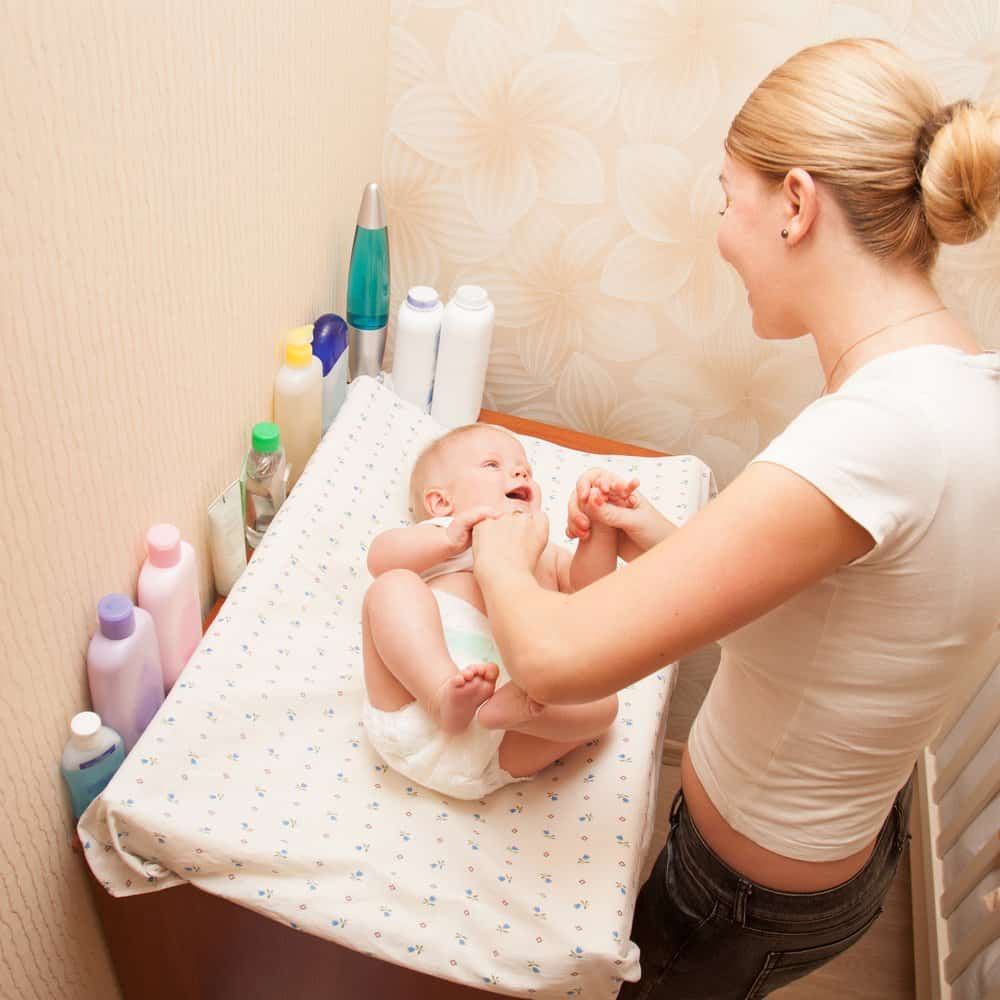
[{"x": 478, "y": 465}]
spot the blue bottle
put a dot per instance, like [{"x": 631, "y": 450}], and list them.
[
  {"x": 368, "y": 287},
  {"x": 329, "y": 344},
  {"x": 92, "y": 755}
]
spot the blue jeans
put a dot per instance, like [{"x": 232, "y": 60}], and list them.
[{"x": 707, "y": 933}]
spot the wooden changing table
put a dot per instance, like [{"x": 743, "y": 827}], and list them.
[{"x": 185, "y": 944}]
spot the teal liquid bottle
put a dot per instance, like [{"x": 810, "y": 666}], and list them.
[
  {"x": 368, "y": 287},
  {"x": 92, "y": 755}
]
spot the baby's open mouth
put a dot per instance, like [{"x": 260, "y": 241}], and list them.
[{"x": 522, "y": 493}]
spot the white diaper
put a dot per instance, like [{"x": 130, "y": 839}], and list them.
[{"x": 464, "y": 765}]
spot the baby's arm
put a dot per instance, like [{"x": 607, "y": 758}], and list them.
[
  {"x": 595, "y": 556},
  {"x": 417, "y": 548},
  {"x": 421, "y": 546}
]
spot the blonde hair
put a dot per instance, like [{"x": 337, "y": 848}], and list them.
[
  {"x": 427, "y": 465},
  {"x": 864, "y": 119}
]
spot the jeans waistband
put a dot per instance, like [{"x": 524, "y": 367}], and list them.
[{"x": 750, "y": 902}]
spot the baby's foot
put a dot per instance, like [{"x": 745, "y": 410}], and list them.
[
  {"x": 509, "y": 707},
  {"x": 459, "y": 697}
]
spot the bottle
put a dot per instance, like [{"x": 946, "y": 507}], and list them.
[
  {"x": 463, "y": 355},
  {"x": 368, "y": 287},
  {"x": 123, "y": 667},
  {"x": 418, "y": 327},
  {"x": 264, "y": 480},
  {"x": 298, "y": 401},
  {"x": 92, "y": 755},
  {"x": 168, "y": 590},
  {"x": 330, "y": 346}
]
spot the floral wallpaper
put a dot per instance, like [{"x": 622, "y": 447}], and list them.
[{"x": 564, "y": 155}]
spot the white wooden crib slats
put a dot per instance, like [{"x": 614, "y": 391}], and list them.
[{"x": 940, "y": 961}]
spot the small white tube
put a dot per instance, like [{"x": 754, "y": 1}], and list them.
[{"x": 229, "y": 554}]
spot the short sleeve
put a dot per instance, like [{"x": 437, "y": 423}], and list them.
[{"x": 876, "y": 457}]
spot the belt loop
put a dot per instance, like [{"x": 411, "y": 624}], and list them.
[
  {"x": 743, "y": 893},
  {"x": 675, "y": 809}
]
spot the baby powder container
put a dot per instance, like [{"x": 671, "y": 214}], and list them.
[
  {"x": 123, "y": 667},
  {"x": 298, "y": 401},
  {"x": 463, "y": 354},
  {"x": 92, "y": 755},
  {"x": 418, "y": 327},
  {"x": 329, "y": 344},
  {"x": 168, "y": 590}
]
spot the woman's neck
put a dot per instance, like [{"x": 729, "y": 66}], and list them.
[{"x": 870, "y": 310}]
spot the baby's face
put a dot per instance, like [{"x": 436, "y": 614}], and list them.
[{"x": 489, "y": 468}]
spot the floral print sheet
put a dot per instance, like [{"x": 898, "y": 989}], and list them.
[{"x": 255, "y": 780}]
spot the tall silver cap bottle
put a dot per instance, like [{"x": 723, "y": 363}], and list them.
[{"x": 368, "y": 287}]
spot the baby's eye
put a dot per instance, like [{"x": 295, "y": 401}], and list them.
[{"x": 491, "y": 464}]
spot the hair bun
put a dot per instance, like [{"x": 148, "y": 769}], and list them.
[{"x": 958, "y": 165}]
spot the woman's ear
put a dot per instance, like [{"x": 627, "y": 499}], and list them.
[
  {"x": 437, "y": 503},
  {"x": 801, "y": 204}
]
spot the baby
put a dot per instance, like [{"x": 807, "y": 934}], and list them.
[{"x": 439, "y": 707}]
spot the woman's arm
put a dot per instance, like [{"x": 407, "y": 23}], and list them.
[{"x": 766, "y": 537}]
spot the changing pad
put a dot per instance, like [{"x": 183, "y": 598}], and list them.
[{"x": 255, "y": 780}]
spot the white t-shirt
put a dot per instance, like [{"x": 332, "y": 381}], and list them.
[{"x": 820, "y": 708}]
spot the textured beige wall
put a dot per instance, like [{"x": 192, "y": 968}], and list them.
[
  {"x": 179, "y": 185},
  {"x": 564, "y": 153}
]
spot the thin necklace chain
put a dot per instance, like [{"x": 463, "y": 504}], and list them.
[{"x": 875, "y": 333}]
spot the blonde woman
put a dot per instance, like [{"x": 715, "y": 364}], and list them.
[{"x": 849, "y": 571}]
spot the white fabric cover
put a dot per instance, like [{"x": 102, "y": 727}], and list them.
[{"x": 255, "y": 780}]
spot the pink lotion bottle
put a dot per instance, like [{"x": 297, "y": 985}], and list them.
[
  {"x": 168, "y": 590},
  {"x": 123, "y": 668}
]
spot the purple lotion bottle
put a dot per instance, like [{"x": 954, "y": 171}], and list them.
[{"x": 123, "y": 668}]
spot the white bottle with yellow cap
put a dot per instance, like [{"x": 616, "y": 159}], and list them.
[{"x": 298, "y": 400}]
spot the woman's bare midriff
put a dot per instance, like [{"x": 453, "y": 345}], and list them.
[{"x": 755, "y": 862}]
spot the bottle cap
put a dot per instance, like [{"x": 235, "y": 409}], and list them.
[
  {"x": 329, "y": 339},
  {"x": 266, "y": 437},
  {"x": 472, "y": 297},
  {"x": 83, "y": 728},
  {"x": 163, "y": 543},
  {"x": 298, "y": 349},
  {"x": 422, "y": 297},
  {"x": 371, "y": 213},
  {"x": 116, "y": 616}
]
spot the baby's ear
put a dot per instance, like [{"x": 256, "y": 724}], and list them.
[{"x": 437, "y": 503}]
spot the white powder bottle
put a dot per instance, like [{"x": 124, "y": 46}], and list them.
[
  {"x": 463, "y": 355},
  {"x": 418, "y": 326}
]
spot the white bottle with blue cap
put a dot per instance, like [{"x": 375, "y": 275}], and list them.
[
  {"x": 92, "y": 755},
  {"x": 418, "y": 327}
]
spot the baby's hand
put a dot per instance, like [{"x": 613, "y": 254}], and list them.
[
  {"x": 460, "y": 530},
  {"x": 597, "y": 495}
]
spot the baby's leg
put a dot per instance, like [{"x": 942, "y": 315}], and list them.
[
  {"x": 551, "y": 731},
  {"x": 522, "y": 755},
  {"x": 406, "y": 656},
  {"x": 510, "y": 708}
]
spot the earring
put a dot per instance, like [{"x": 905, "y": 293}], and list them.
[{"x": 784, "y": 234}]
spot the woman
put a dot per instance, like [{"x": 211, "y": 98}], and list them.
[{"x": 849, "y": 570}]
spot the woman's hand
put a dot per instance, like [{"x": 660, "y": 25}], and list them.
[
  {"x": 460, "y": 530},
  {"x": 601, "y": 496},
  {"x": 512, "y": 541},
  {"x": 596, "y": 490}
]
